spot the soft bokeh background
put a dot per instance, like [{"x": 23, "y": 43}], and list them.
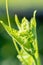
[{"x": 22, "y": 8}]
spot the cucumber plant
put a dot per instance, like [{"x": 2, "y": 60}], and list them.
[{"x": 25, "y": 37}]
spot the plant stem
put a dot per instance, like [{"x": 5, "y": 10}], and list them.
[
  {"x": 7, "y": 13},
  {"x": 32, "y": 56},
  {"x": 15, "y": 45},
  {"x": 18, "y": 50}
]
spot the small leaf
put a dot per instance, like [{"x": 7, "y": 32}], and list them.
[
  {"x": 33, "y": 20},
  {"x": 24, "y": 24},
  {"x": 17, "y": 21}
]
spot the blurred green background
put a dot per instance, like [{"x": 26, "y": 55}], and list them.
[{"x": 22, "y": 8}]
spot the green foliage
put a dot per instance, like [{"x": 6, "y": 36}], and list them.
[{"x": 26, "y": 37}]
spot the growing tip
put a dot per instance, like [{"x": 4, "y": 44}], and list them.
[
  {"x": 15, "y": 15},
  {"x": 34, "y": 13}
]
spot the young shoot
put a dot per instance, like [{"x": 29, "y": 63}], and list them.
[{"x": 26, "y": 37}]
